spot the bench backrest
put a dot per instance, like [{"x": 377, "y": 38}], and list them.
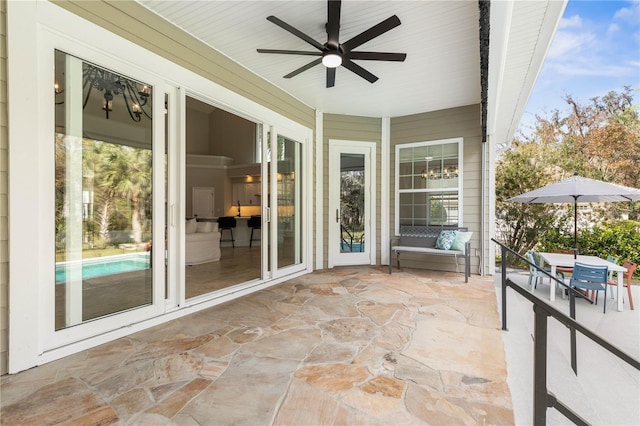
[{"x": 423, "y": 236}]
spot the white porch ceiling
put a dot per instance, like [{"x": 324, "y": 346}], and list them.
[{"x": 440, "y": 38}]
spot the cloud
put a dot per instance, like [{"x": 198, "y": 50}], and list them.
[
  {"x": 593, "y": 52},
  {"x": 590, "y": 48},
  {"x": 629, "y": 14},
  {"x": 574, "y": 21},
  {"x": 589, "y": 68},
  {"x": 613, "y": 28},
  {"x": 566, "y": 42}
]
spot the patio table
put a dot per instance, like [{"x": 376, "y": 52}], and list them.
[{"x": 567, "y": 260}]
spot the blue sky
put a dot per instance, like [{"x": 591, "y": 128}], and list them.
[{"x": 595, "y": 50}]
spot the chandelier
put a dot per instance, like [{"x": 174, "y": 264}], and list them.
[
  {"x": 136, "y": 95},
  {"x": 435, "y": 173}
]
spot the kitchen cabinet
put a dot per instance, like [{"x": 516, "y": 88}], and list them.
[{"x": 248, "y": 194}]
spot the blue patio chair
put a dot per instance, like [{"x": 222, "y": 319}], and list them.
[
  {"x": 536, "y": 273},
  {"x": 590, "y": 277}
]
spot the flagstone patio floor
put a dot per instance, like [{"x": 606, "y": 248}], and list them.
[{"x": 350, "y": 345}]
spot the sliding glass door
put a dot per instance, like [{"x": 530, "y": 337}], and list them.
[
  {"x": 104, "y": 173},
  {"x": 285, "y": 204}
]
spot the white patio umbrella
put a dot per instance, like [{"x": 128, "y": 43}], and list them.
[{"x": 578, "y": 189}]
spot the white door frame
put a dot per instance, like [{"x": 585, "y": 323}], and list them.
[{"x": 368, "y": 256}]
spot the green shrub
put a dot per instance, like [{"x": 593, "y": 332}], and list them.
[{"x": 615, "y": 238}]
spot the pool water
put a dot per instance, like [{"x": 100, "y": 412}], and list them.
[
  {"x": 355, "y": 247},
  {"x": 92, "y": 268}
]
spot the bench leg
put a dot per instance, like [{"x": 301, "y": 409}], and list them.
[{"x": 467, "y": 267}]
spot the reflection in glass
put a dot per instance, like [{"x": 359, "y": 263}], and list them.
[
  {"x": 352, "y": 214},
  {"x": 289, "y": 199},
  {"x": 428, "y": 180},
  {"x": 103, "y": 193}
]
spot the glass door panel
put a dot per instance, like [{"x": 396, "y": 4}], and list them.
[
  {"x": 288, "y": 202},
  {"x": 352, "y": 212},
  {"x": 350, "y": 203},
  {"x": 103, "y": 186},
  {"x": 223, "y": 233},
  {"x": 285, "y": 205}
]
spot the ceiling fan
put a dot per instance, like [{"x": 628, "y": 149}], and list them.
[{"x": 333, "y": 53}]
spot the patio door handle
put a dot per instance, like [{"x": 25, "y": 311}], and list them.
[{"x": 337, "y": 215}]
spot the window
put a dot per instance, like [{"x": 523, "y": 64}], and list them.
[{"x": 428, "y": 183}]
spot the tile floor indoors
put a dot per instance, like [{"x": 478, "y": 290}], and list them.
[{"x": 350, "y": 345}]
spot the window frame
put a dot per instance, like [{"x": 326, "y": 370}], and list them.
[{"x": 458, "y": 188}]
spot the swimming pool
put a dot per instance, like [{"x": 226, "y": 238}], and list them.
[
  {"x": 107, "y": 265},
  {"x": 349, "y": 248}
]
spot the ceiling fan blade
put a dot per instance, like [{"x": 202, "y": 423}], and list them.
[
  {"x": 377, "y": 56},
  {"x": 295, "y": 32},
  {"x": 289, "y": 52},
  {"x": 373, "y": 32},
  {"x": 331, "y": 77},
  {"x": 351, "y": 66},
  {"x": 333, "y": 23},
  {"x": 304, "y": 68}
]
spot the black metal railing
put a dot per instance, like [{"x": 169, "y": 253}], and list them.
[
  {"x": 542, "y": 397},
  {"x": 348, "y": 243},
  {"x": 344, "y": 241}
]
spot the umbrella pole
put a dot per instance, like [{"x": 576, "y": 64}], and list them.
[{"x": 575, "y": 227}]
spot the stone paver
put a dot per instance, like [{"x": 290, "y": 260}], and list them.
[{"x": 344, "y": 346}]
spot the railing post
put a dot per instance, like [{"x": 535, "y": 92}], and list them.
[
  {"x": 572, "y": 331},
  {"x": 503, "y": 273},
  {"x": 540, "y": 367}
]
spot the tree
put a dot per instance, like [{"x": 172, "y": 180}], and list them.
[
  {"x": 520, "y": 170},
  {"x": 352, "y": 201},
  {"x": 599, "y": 140},
  {"x": 125, "y": 173}
]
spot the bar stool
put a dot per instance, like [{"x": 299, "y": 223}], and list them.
[
  {"x": 255, "y": 222},
  {"x": 227, "y": 223}
]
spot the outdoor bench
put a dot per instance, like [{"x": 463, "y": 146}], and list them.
[{"x": 422, "y": 240}]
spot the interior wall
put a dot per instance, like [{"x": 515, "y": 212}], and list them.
[
  {"x": 445, "y": 124},
  {"x": 222, "y": 134},
  {"x": 4, "y": 191},
  {"x": 215, "y": 177},
  {"x": 197, "y": 132},
  {"x": 232, "y": 136},
  {"x": 351, "y": 128}
]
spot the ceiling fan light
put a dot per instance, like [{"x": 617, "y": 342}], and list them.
[{"x": 332, "y": 60}]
